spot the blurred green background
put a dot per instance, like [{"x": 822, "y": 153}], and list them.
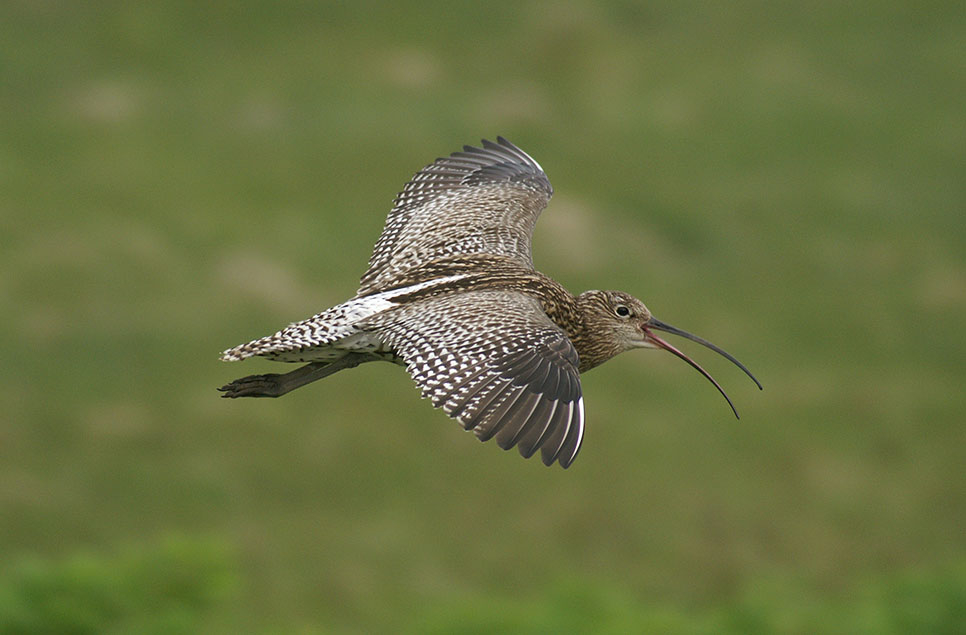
[{"x": 783, "y": 178}]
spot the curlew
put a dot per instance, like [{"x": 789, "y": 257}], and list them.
[{"x": 451, "y": 293}]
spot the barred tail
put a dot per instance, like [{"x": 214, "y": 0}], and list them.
[{"x": 260, "y": 346}]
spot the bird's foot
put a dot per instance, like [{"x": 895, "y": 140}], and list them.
[
  {"x": 269, "y": 385},
  {"x": 274, "y": 385}
]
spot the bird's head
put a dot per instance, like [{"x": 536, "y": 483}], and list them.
[{"x": 615, "y": 322}]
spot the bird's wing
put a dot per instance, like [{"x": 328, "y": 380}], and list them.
[
  {"x": 479, "y": 201},
  {"x": 494, "y": 361}
]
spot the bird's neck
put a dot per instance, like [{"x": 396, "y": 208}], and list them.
[{"x": 591, "y": 340}]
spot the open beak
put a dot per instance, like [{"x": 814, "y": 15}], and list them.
[{"x": 660, "y": 343}]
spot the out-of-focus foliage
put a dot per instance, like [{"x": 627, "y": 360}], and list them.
[
  {"x": 163, "y": 588},
  {"x": 173, "y": 587},
  {"x": 923, "y": 602}
]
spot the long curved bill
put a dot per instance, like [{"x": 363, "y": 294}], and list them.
[{"x": 660, "y": 343}]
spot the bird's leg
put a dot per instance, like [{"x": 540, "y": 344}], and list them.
[{"x": 276, "y": 385}]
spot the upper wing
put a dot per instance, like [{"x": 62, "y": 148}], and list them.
[
  {"x": 479, "y": 201},
  {"x": 495, "y": 362}
]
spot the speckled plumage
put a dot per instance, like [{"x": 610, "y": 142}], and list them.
[{"x": 451, "y": 293}]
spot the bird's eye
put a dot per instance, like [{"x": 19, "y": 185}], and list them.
[{"x": 622, "y": 311}]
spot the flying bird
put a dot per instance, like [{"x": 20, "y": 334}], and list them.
[{"x": 452, "y": 294}]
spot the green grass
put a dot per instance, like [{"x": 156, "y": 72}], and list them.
[{"x": 784, "y": 179}]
